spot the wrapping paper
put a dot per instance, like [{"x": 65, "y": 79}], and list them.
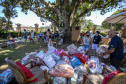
[
  {"x": 6, "y": 76},
  {"x": 62, "y": 70}
]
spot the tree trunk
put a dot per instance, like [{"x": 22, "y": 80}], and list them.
[{"x": 67, "y": 34}]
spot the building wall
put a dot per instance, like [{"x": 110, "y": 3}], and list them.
[{"x": 76, "y": 34}]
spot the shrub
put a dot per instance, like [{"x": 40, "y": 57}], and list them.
[{"x": 104, "y": 34}]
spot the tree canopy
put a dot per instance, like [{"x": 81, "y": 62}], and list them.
[
  {"x": 9, "y": 11},
  {"x": 65, "y": 13}
]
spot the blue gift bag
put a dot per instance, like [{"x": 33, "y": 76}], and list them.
[{"x": 75, "y": 61}]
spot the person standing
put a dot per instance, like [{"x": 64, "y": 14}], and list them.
[
  {"x": 96, "y": 41},
  {"x": 32, "y": 34},
  {"x": 48, "y": 34},
  {"x": 50, "y": 43},
  {"x": 87, "y": 42},
  {"x": 82, "y": 36},
  {"x": 45, "y": 38},
  {"x": 56, "y": 35},
  {"x": 115, "y": 49},
  {"x": 25, "y": 35},
  {"x": 40, "y": 36}
]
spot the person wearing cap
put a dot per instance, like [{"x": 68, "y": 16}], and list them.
[
  {"x": 96, "y": 41},
  {"x": 115, "y": 49}
]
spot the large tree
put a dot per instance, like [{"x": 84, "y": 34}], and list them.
[
  {"x": 66, "y": 13},
  {"x": 9, "y": 11}
]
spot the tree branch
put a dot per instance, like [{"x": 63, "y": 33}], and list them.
[
  {"x": 83, "y": 13},
  {"x": 52, "y": 7},
  {"x": 73, "y": 12},
  {"x": 43, "y": 16}
]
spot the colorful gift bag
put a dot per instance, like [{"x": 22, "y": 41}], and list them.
[
  {"x": 6, "y": 76},
  {"x": 75, "y": 61},
  {"x": 82, "y": 57},
  {"x": 64, "y": 54},
  {"x": 58, "y": 51}
]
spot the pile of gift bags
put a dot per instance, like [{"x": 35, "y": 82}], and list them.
[{"x": 65, "y": 66}]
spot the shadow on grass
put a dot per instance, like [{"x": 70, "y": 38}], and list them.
[{"x": 18, "y": 53}]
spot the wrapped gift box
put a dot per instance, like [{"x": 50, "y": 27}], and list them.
[{"x": 6, "y": 76}]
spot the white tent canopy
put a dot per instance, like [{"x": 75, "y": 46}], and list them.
[{"x": 118, "y": 18}]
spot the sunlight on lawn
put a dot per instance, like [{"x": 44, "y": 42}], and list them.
[
  {"x": 6, "y": 54},
  {"x": 18, "y": 60},
  {"x": 5, "y": 51},
  {"x": 2, "y": 67}
]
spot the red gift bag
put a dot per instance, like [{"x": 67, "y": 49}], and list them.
[
  {"x": 64, "y": 54},
  {"x": 106, "y": 78},
  {"x": 82, "y": 57}
]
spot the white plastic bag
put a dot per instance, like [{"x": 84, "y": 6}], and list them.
[
  {"x": 93, "y": 64},
  {"x": 81, "y": 50},
  {"x": 102, "y": 50},
  {"x": 44, "y": 68},
  {"x": 81, "y": 69},
  {"x": 59, "y": 80},
  {"x": 74, "y": 80},
  {"x": 51, "y": 49},
  {"x": 64, "y": 60},
  {"x": 55, "y": 57},
  {"x": 41, "y": 54},
  {"x": 72, "y": 49},
  {"x": 49, "y": 61}
]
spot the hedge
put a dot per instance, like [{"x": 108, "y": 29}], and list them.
[
  {"x": 13, "y": 34},
  {"x": 104, "y": 34}
]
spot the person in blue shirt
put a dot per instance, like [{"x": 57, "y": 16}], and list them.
[
  {"x": 115, "y": 49},
  {"x": 25, "y": 35},
  {"x": 96, "y": 41}
]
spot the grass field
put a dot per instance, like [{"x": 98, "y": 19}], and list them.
[{"x": 18, "y": 53}]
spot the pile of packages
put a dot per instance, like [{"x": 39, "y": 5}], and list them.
[{"x": 65, "y": 66}]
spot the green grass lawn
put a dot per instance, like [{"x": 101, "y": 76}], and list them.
[
  {"x": 18, "y": 53},
  {"x": 2, "y": 39}
]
